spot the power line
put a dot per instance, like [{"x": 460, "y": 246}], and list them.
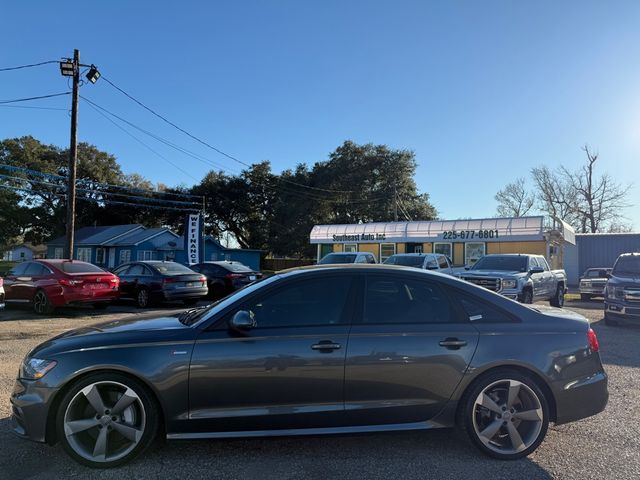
[
  {"x": 19, "y": 67},
  {"x": 231, "y": 157},
  {"x": 28, "y": 99},
  {"x": 34, "y": 107}
]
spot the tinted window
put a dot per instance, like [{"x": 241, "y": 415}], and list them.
[
  {"x": 629, "y": 265},
  {"x": 237, "y": 267},
  {"x": 136, "y": 270},
  {"x": 543, "y": 263},
  {"x": 509, "y": 263},
  {"x": 79, "y": 267},
  {"x": 533, "y": 262},
  {"x": 171, "y": 268},
  {"x": 18, "y": 269},
  {"x": 121, "y": 270},
  {"x": 481, "y": 312},
  {"x": 431, "y": 264},
  {"x": 36, "y": 269},
  {"x": 391, "y": 299},
  {"x": 307, "y": 303},
  {"x": 371, "y": 259},
  {"x": 406, "y": 260},
  {"x": 334, "y": 258},
  {"x": 442, "y": 261}
]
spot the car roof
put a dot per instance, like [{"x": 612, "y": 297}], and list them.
[
  {"x": 423, "y": 254},
  {"x": 348, "y": 253}
]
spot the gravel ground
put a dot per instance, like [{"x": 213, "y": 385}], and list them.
[{"x": 606, "y": 446}]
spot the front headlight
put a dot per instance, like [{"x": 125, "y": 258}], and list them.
[
  {"x": 510, "y": 283},
  {"x": 611, "y": 292},
  {"x": 36, "y": 368}
]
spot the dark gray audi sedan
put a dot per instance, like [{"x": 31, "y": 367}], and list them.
[{"x": 335, "y": 349}]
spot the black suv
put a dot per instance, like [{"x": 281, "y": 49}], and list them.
[
  {"x": 225, "y": 277},
  {"x": 622, "y": 293}
]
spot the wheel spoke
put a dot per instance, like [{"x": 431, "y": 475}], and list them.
[
  {"x": 100, "y": 449},
  {"x": 124, "y": 401},
  {"x": 490, "y": 431},
  {"x": 514, "y": 390},
  {"x": 534, "y": 415},
  {"x": 514, "y": 436},
  {"x": 128, "y": 432},
  {"x": 75, "y": 426},
  {"x": 93, "y": 397},
  {"x": 487, "y": 402}
]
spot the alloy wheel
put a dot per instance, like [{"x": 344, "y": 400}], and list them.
[
  {"x": 143, "y": 298},
  {"x": 104, "y": 421},
  {"x": 40, "y": 302},
  {"x": 507, "y": 417}
]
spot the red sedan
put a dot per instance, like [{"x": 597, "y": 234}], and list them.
[{"x": 48, "y": 284}]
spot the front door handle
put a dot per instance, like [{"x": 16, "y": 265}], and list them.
[
  {"x": 453, "y": 343},
  {"x": 326, "y": 346}
]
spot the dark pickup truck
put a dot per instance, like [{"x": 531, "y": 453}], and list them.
[
  {"x": 526, "y": 278},
  {"x": 622, "y": 293}
]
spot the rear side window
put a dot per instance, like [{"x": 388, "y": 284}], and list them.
[
  {"x": 398, "y": 300},
  {"x": 479, "y": 311},
  {"x": 136, "y": 270},
  {"x": 121, "y": 270},
  {"x": 79, "y": 267},
  {"x": 19, "y": 269}
]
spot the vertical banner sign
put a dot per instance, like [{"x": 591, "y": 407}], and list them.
[{"x": 193, "y": 238}]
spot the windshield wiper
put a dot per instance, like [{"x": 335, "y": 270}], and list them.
[{"x": 188, "y": 316}]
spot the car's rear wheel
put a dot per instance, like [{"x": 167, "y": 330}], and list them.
[
  {"x": 142, "y": 298},
  {"x": 41, "y": 303},
  {"x": 106, "y": 419},
  {"x": 505, "y": 414},
  {"x": 558, "y": 298}
]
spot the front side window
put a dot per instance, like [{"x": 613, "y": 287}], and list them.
[
  {"x": 397, "y": 300},
  {"x": 442, "y": 262},
  {"x": 320, "y": 301},
  {"x": 371, "y": 259},
  {"x": 543, "y": 263}
]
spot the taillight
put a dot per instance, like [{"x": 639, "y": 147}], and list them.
[
  {"x": 169, "y": 280},
  {"x": 70, "y": 283},
  {"x": 1, "y": 281},
  {"x": 593, "y": 340},
  {"x": 233, "y": 275},
  {"x": 203, "y": 279}
]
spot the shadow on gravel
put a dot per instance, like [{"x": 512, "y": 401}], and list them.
[
  {"x": 408, "y": 455},
  {"x": 589, "y": 305},
  {"x": 618, "y": 344}
]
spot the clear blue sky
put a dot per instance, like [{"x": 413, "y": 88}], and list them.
[{"x": 481, "y": 91}]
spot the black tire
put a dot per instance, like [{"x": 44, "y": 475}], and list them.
[
  {"x": 101, "y": 305},
  {"x": 527, "y": 296},
  {"x": 41, "y": 303},
  {"x": 558, "y": 298},
  {"x": 585, "y": 297},
  {"x": 470, "y": 412},
  {"x": 143, "y": 298},
  {"x": 150, "y": 419},
  {"x": 189, "y": 302}
]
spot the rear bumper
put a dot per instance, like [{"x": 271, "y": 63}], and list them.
[
  {"x": 592, "y": 290},
  {"x": 92, "y": 296},
  {"x": 582, "y": 398},
  {"x": 30, "y": 404},
  {"x": 184, "y": 293}
]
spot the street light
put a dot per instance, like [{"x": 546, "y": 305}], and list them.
[
  {"x": 67, "y": 67},
  {"x": 93, "y": 75}
]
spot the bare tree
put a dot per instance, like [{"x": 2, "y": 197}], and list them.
[
  {"x": 514, "y": 200},
  {"x": 555, "y": 196},
  {"x": 597, "y": 202}
]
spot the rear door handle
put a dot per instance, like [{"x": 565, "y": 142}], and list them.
[
  {"x": 453, "y": 343},
  {"x": 326, "y": 346}
]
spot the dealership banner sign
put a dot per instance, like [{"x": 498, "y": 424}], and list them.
[{"x": 193, "y": 238}]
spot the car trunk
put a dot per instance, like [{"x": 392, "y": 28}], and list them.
[
  {"x": 185, "y": 280},
  {"x": 91, "y": 280}
]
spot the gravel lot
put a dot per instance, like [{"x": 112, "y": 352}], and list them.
[{"x": 606, "y": 446}]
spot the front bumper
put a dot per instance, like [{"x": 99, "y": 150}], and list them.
[
  {"x": 582, "y": 398},
  {"x": 620, "y": 310},
  {"x": 30, "y": 403}
]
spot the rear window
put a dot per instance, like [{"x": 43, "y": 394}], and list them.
[
  {"x": 334, "y": 258},
  {"x": 237, "y": 267},
  {"x": 79, "y": 267},
  {"x": 596, "y": 273},
  {"x": 171, "y": 268},
  {"x": 405, "y": 260}
]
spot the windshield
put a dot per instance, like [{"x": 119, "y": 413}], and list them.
[
  {"x": 627, "y": 266},
  {"x": 193, "y": 316},
  {"x": 508, "y": 263},
  {"x": 171, "y": 268},
  {"x": 596, "y": 273},
  {"x": 337, "y": 258},
  {"x": 79, "y": 267},
  {"x": 406, "y": 260}
]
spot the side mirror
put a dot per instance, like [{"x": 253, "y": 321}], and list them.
[
  {"x": 242, "y": 321},
  {"x": 608, "y": 274},
  {"x": 536, "y": 270}
]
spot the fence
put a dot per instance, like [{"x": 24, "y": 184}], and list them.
[{"x": 275, "y": 264}]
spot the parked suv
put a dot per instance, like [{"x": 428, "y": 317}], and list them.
[
  {"x": 48, "y": 284},
  {"x": 426, "y": 261},
  {"x": 347, "y": 257},
  {"x": 526, "y": 278},
  {"x": 622, "y": 298},
  {"x": 592, "y": 283}
]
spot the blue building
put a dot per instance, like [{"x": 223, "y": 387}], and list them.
[
  {"x": 24, "y": 252},
  {"x": 113, "y": 245}
]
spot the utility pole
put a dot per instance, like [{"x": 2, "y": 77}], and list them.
[{"x": 73, "y": 157}]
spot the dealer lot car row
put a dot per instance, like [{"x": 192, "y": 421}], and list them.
[
  {"x": 316, "y": 350},
  {"x": 48, "y": 284}
]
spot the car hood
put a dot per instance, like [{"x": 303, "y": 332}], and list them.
[
  {"x": 119, "y": 332},
  {"x": 492, "y": 273},
  {"x": 626, "y": 280}
]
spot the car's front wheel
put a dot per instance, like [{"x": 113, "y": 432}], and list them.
[
  {"x": 106, "y": 419},
  {"x": 558, "y": 298},
  {"x": 505, "y": 414}
]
